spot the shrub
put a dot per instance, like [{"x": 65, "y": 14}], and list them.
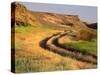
[{"x": 85, "y": 35}]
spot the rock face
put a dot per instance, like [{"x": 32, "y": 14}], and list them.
[
  {"x": 20, "y": 15},
  {"x": 93, "y": 25}
]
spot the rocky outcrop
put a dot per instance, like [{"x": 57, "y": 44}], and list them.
[
  {"x": 93, "y": 25},
  {"x": 20, "y": 15}
]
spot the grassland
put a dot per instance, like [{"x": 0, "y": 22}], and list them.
[
  {"x": 30, "y": 57},
  {"x": 89, "y": 46}
]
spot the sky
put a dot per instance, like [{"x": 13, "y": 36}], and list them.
[{"x": 86, "y": 13}]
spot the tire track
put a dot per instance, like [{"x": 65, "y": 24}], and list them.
[{"x": 51, "y": 43}]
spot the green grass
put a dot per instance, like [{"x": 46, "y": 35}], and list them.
[
  {"x": 83, "y": 45},
  {"x": 21, "y": 28},
  {"x": 27, "y": 29}
]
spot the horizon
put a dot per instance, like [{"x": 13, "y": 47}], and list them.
[{"x": 84, "y": 12}]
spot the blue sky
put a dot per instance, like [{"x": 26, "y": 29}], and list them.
[{"x": 86, "y": 13}]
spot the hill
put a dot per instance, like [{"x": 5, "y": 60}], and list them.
[
  {"x": 93, "y": 25},
  {"x": 20, "y": 15},
  {"x": 40, "y": 41}
]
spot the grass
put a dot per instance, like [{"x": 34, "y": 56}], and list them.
[
  {"x": 27, "y": 29},
  {"x": 30, "y": 57},
  {"x": 87, "y": 46},
  {"x": 25, "y": 65}
]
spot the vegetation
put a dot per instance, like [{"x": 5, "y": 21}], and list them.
[
  {"x": 33, "y": 27},
  {"x": 30, "y": 57},
  {"x": 87, "y": 46},
  {"x": 86, "y": 34}
]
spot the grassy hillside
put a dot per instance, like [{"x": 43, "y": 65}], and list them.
[
  {"x": 30, "y": 57},
  {"x": 88, "y": 45},
  {"x": 83, "y": 45},
  {"x": 29, "y": 28}
]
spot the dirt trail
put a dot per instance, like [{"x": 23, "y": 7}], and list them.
[{"x": 51, "y": 43}]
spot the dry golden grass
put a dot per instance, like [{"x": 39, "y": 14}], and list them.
[
  {"x": 30, "y": 57},
  {"x": 65, "y": 38}
]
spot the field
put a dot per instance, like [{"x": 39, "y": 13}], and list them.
[
  {"x": 87, "y": 46},
  {"x": 30, "y": 57}
]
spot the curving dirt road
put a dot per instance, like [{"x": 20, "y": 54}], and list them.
[{"x": 51, "y": 43}]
